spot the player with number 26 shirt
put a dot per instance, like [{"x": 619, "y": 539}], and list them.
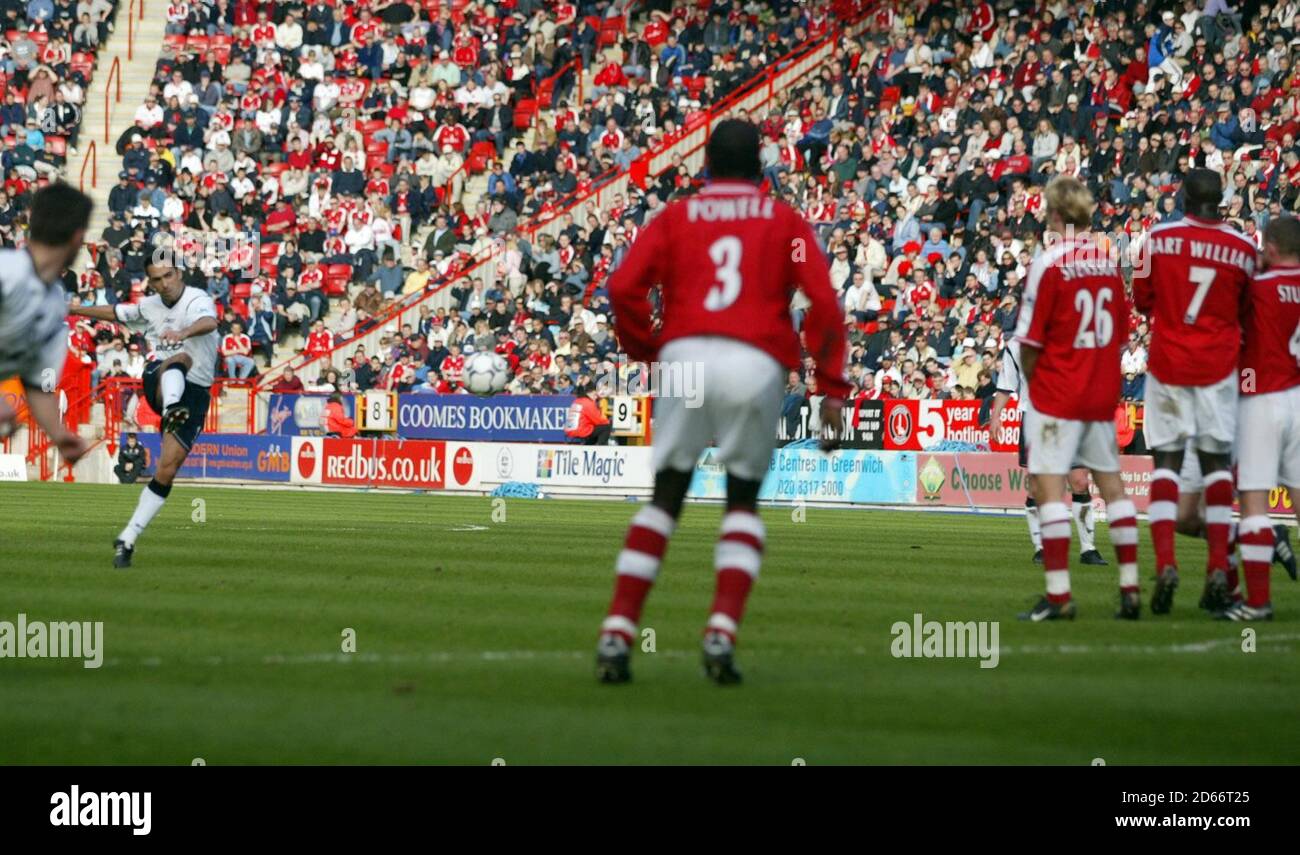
[
  {"x": 727, "y": 262},
  {"x": 1073, "y": 316}
]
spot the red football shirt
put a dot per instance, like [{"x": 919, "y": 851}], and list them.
[
  {"x": 1272, "y": 323},
  {"x": 1075, "y": 314},
  {"x": 1191, "y": 278},
  {"x": 727, "y": 261}
]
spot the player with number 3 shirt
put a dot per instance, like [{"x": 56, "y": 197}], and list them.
[{"x": 727, "y": 262}]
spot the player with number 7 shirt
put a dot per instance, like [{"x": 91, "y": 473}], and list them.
[
  {"x": 1073, "y": 317},
  {"x": 1190, "y": 277},
  {"x": 727, "y": 261}
]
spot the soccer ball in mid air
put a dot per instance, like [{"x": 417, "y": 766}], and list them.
[{"x": 486, "y": 373}]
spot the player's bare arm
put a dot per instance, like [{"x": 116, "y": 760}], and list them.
[{"x": 94, "y": 313}]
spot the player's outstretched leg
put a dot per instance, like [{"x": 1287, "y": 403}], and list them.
[
  {"x": 152, "y": 498},
  {"x": 636, "y": 568},
  {"x": 1219, "y": 495},
  {"x": 171, "y": 387},
  {"x": 1163, "y": 514},
  {"x": 1255, "y": 537}
]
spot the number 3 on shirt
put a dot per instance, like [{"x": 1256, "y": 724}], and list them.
[
  {"x": 1096, "y": 326},
  {"x": 725, "y": 253}
]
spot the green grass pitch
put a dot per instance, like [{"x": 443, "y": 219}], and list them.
[{"x": 474, "y": 641}]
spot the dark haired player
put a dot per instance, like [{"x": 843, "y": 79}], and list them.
[
  {"x": 727, "y": 261},
  {"x": 1190, "y": 278},
  {"x": 180, "y": 324},
  {"x": 33, "y": 310}
]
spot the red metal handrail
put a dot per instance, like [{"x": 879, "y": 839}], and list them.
[
  {"x": 130, "y": 27},
  {"x": 91, "y": 158},
  {"x": 115, "y": 68}
]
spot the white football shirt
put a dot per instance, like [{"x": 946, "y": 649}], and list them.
[
  {"x": 33, "y": 331},
  {"x": 153, "y": 317}
]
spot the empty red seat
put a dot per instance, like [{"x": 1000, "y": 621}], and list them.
[
  {"x": 336, "y": 286},
  {"x": 338, "y": 270}
]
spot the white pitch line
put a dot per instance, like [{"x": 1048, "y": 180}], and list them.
[{"x": 1272, "y": 643}]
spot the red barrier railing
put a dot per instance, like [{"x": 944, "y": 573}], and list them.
[
  {"x": 114, "y": 69},
  {"x": 131, "y": 14},
  {"x": 92, "y": 158}
]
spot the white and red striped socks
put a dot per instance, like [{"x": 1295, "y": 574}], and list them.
[
  {"x": 737, "y": 559},
  {"x": 1121, "y": 519},
  {"x": 1054, "y": 521},
  {"x": 1255, "y": 538},
  {"x": 1218, "y": 519},
  {"x": 1163, "y": 516},
  {"x": 636, "y": 568}
]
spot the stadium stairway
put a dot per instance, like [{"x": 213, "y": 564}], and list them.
[{"x": 137, "y": 74}]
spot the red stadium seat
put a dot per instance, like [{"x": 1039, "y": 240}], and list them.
[
  {"x": 336, "y": 286},
  {"x": 338, "y": 271},
  {"x": 545, "y": 93},
  {"x": 56, "y": 146},
  {"x": 241, "y": 289},
  {"x": 610, "y": 30},
  {"x": 524, "y": 112},
  {"x": 275, "y": 167},
  {"x": 198, "y": 43},
  {"x": 369, "y": 126},
  {"x": 175, "y": 43}
]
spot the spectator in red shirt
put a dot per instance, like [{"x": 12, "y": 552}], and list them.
[
  {"x": 237, "y": 349},
  {"x": 337, "y": 421},
  {"x": 586, "y": 423},
  {"x": 288, "y": 382},
  {"x": 321, "y": 340}
]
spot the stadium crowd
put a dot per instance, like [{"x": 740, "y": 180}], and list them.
[
  {"x": 47, "y": 58},
  {"x": 341, "y": 138}
]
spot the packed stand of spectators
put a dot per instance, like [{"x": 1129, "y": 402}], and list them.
[
  {"x": 47, "y": 58},
  {"x": 340, "y": 138},
  {"x": 922, "y": 161}
]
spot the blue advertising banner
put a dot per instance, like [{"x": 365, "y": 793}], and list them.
[
  {"x": 300, "y": 415},
  {"x": 502, "y": 418},
  {"x": 237, "y": 456},
  {"x": 849, "y": 476}
]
